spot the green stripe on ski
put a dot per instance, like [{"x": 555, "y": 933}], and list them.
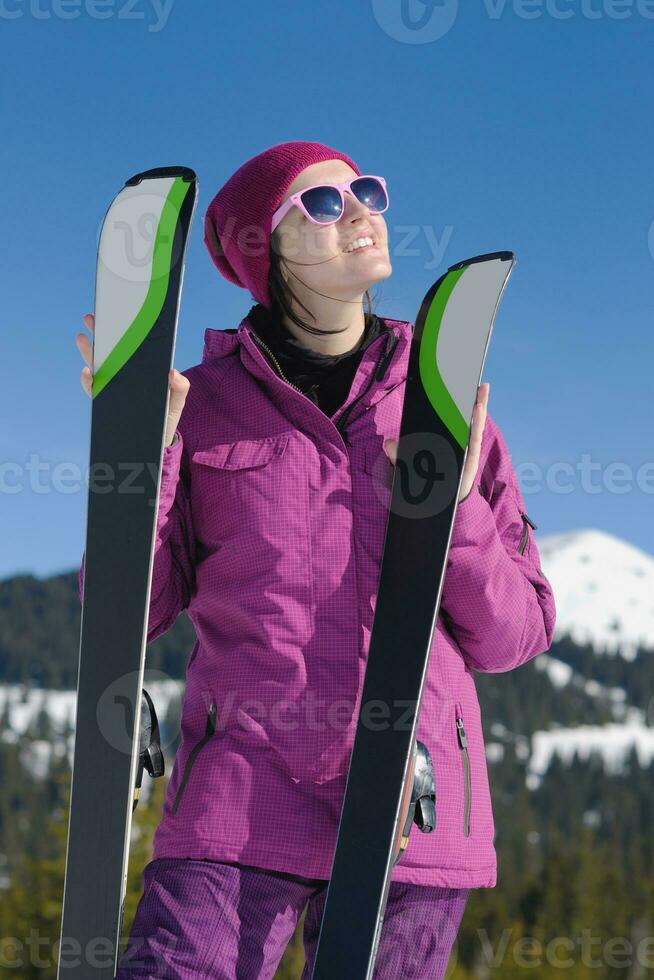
[
  {"x": 432, "y": 381},
  {"x": 153, "y": 303}
]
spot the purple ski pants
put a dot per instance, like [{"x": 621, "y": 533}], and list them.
[{"x": 208, "y": 920}]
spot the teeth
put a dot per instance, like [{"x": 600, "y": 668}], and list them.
[{"x": 360, "y": 243}]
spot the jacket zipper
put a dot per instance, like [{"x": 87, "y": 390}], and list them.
[
  {"x": 208, "y": 732},
  {"x": 463, "y": 744},
  {"x": 377, "y": 374},
  {"x": 526, "y": 520},
  {"x": 260, "y": 342}
]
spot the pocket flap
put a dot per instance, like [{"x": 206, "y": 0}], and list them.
[{"x": 242, "y": 454}]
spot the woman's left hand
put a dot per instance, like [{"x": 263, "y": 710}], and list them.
[{"x": 474, "y": 448}]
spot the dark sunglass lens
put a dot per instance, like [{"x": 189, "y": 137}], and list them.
[
  {"x": 323, "y": 203},
  {"x": 370, "y": 192}
]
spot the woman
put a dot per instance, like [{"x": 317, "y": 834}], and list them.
[{"x": 273, "y": 506}]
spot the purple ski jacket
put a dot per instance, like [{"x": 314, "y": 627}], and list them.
[{"x": 269, "y": 533}]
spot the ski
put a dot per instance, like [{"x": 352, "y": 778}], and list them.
[
  {"x": 446, "y": 360},
  {"x": 139, "y": 273}
]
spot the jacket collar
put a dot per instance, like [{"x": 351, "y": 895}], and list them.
[{"x": 219, "y": 344}]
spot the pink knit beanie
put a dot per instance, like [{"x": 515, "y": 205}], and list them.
[{"x": 237, "y": 222}]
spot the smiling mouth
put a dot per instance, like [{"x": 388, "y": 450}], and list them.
[{"x": 361, "y": 248}]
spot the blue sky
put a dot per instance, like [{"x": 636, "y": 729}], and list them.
[{"x": 524, "y": 125}]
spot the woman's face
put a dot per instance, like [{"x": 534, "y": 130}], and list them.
[{"x": 317, "y": 255}]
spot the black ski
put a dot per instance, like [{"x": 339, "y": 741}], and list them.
[
  {"x": 139, "y": 275},
  {"x": 446, "y": 359}
]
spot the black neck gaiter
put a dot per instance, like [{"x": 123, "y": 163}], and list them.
[{"x": 325, "y": 378}]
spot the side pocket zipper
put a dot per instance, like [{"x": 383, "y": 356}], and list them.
[
  {"x": 208, "y": 732},
  {"x": 526, "y": 520},
  {"x": 463, "y": 745}
]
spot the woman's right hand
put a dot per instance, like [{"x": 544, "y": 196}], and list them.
[{"x": 178, "y": 384}]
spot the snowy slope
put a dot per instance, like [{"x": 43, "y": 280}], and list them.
[
  {"x": 611, "y": 743},
  {"x": 23, "y": 707},
  {"x": 604, "y": 590}
]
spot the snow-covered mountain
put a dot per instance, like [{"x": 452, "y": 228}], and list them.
[{"x": 604, "y": 590}]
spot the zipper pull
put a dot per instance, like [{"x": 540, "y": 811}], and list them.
[
  {"x": 211, "y": 719},
  {"x": 385, "y": 360},
  {"x": 463, "y": 741},
  {"x": 529, "y": 521}
]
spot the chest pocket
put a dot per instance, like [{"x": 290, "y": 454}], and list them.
[
  {"x": 245, "y": 454},
  {"x": 237, "y": 485}
]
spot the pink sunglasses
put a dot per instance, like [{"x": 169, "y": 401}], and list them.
[{"x": 324, "y": 204}]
